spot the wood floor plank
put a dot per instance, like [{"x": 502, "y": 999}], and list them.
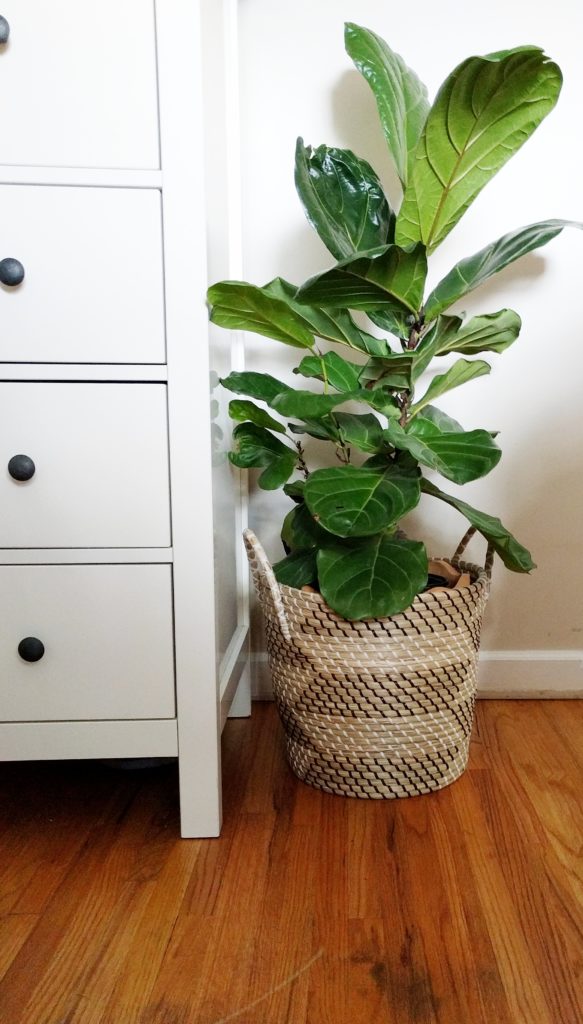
[
  {"x": 510, "y": 942},
  {"x": 51, "y": 969},
  {"x": 538, "y": 884},
  {"x": 463, "y": 907},
  {"x": 14, "y": 931}
]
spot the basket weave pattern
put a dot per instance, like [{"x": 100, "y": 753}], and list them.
[{"x": 381, "y": 708}]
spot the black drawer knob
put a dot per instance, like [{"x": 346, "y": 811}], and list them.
[
  {"x": 21, "y": 467},
  {"x": 4, "y": 30},
  {"x": 11, "y": 272},
  {"x": 31, "y": 648}
]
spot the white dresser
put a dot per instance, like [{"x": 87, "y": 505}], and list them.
[{"x": 111, "y": 571}]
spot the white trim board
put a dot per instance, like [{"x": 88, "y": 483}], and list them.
[{"x": 502, "y": 675}]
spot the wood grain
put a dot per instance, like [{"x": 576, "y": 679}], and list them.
[{"x": 463, "y": 907}]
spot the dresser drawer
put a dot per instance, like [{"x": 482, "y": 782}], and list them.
[
  {"x": 99, "y": 463},
  {"x": 92, "y": 290},
  {"x": 78, "y": 82},
  {"x": 107, "y": 637}
]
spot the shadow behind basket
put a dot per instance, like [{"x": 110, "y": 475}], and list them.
[{"x": 381, "y": 708}]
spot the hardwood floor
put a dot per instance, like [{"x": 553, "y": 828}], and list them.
[{"x": 465, "y": 907}]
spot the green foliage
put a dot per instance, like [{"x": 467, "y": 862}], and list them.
[
  {"x": 388, "y": 277},
  {"x": 401, "y": 98},
  {"x": 256, "y": 446},
  {"x": 512, "y": 553},
  {"x": 460, "y": 373},
  {"x": 475, "y": 270},
  {"x": 484, "y": 112},
  {"x": 343, "y": 199},
  {"x": 371, "y": 578},
  {"x": 460, "y": 456},
  {"x": 342, "y": 534},
  {"x": 352, "y": 501}
]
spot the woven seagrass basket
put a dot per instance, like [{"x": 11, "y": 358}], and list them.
[{"x": 381, "y": 708}]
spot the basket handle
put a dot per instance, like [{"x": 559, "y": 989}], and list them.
[
  {"x": 264, "y": 579},
  {"x": 463, "y": 545}
]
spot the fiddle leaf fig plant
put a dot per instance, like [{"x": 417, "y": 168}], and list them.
[{"x": 341, "y": 535}]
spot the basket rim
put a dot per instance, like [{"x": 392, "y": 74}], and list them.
[{"x": 480, "y": 581}]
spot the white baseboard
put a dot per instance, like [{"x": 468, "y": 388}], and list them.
[{"x": 502, "y": 674}]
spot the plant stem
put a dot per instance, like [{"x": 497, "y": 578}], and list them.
[
  {"x": 404, "y": 400},
  {"x": 301, "y": 461}
]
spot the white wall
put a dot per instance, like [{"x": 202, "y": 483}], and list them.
[{"x": 297, "y": 80}]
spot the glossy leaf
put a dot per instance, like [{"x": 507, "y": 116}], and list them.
[
  {"x": 382, "y": 400},
  {"x": 512, "y": 553},
  {"x": 255, "y": 446},
  {"x": 484, "y": 112},
  {"x": 330, "y": 324},
  {"x": 394, "y": 372},
  {"x": 255, "y": 385},
  {"x": 492, "y": 332},
  {"x": 473, "y": 271},
  {"x": 305, "y": 405},
  {"x": 441, "y": 419},
  {"x": 323, "y": 429},
  {"x": 401, "y": 98},
  {"x": 244, "y": 307},
  {"x": 396, "y": 323},
  {"x": 358, "y": 502},
  {"x": 460, "y": 457},
  {"x": 389, "y": 276},
  {"x": 295, "y": 490},
  {"x": 273, "y": 312},
  {"x": 242, "y": 410},
  {"x": 462, "y": 371},
  {"x": 372, "y": 578},
  {"x": 332, "y": 369},
  {"x": 300, "y": 531},
  {"x": 297, "y": 570},
  {"x": 361, "y": 430},
  {"x": 343, "y": 199}
]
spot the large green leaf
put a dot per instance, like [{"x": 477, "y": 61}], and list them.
[
  {"x": 492, "y": 332},
  {"x": 255, "y": 446},
  {"x": 343, "y": 199},
  {"x": 362, "y": 430},
  {"x": 474, "y": 270},
  {"x": 445, "y": 423},
  {"x": 484, "y": 112},
  {"x": 394, "y": 372},
  {"x": 255, "y": 385},
  {"x": 461, "y": 371},
  {"x": 382, "y": 400},
  {"x": 295, "y": 490},
  {"x": 242, "y": 410},
  {"x": 245, "y": 307},
  {"x": 386, "y": 277},
  {"x": 513, "y": 554},
  {"x": 297, "y": 570},
  {"x": 401, "y": 98},
  {"x": 373, "y": 578},
  {"x": 306, "y": 405},
  {"x": 331, "y": 324},
  {"x": 332, "y": 369},
  {"x": 358, "y": 502},
  {"x": 323, "y": 429},
  {"x": 460, "y": 457},
  {"x": 395, "y": 322},
  {"x": 273, "y": 312},
  {"x": 300, "y": 531}
]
